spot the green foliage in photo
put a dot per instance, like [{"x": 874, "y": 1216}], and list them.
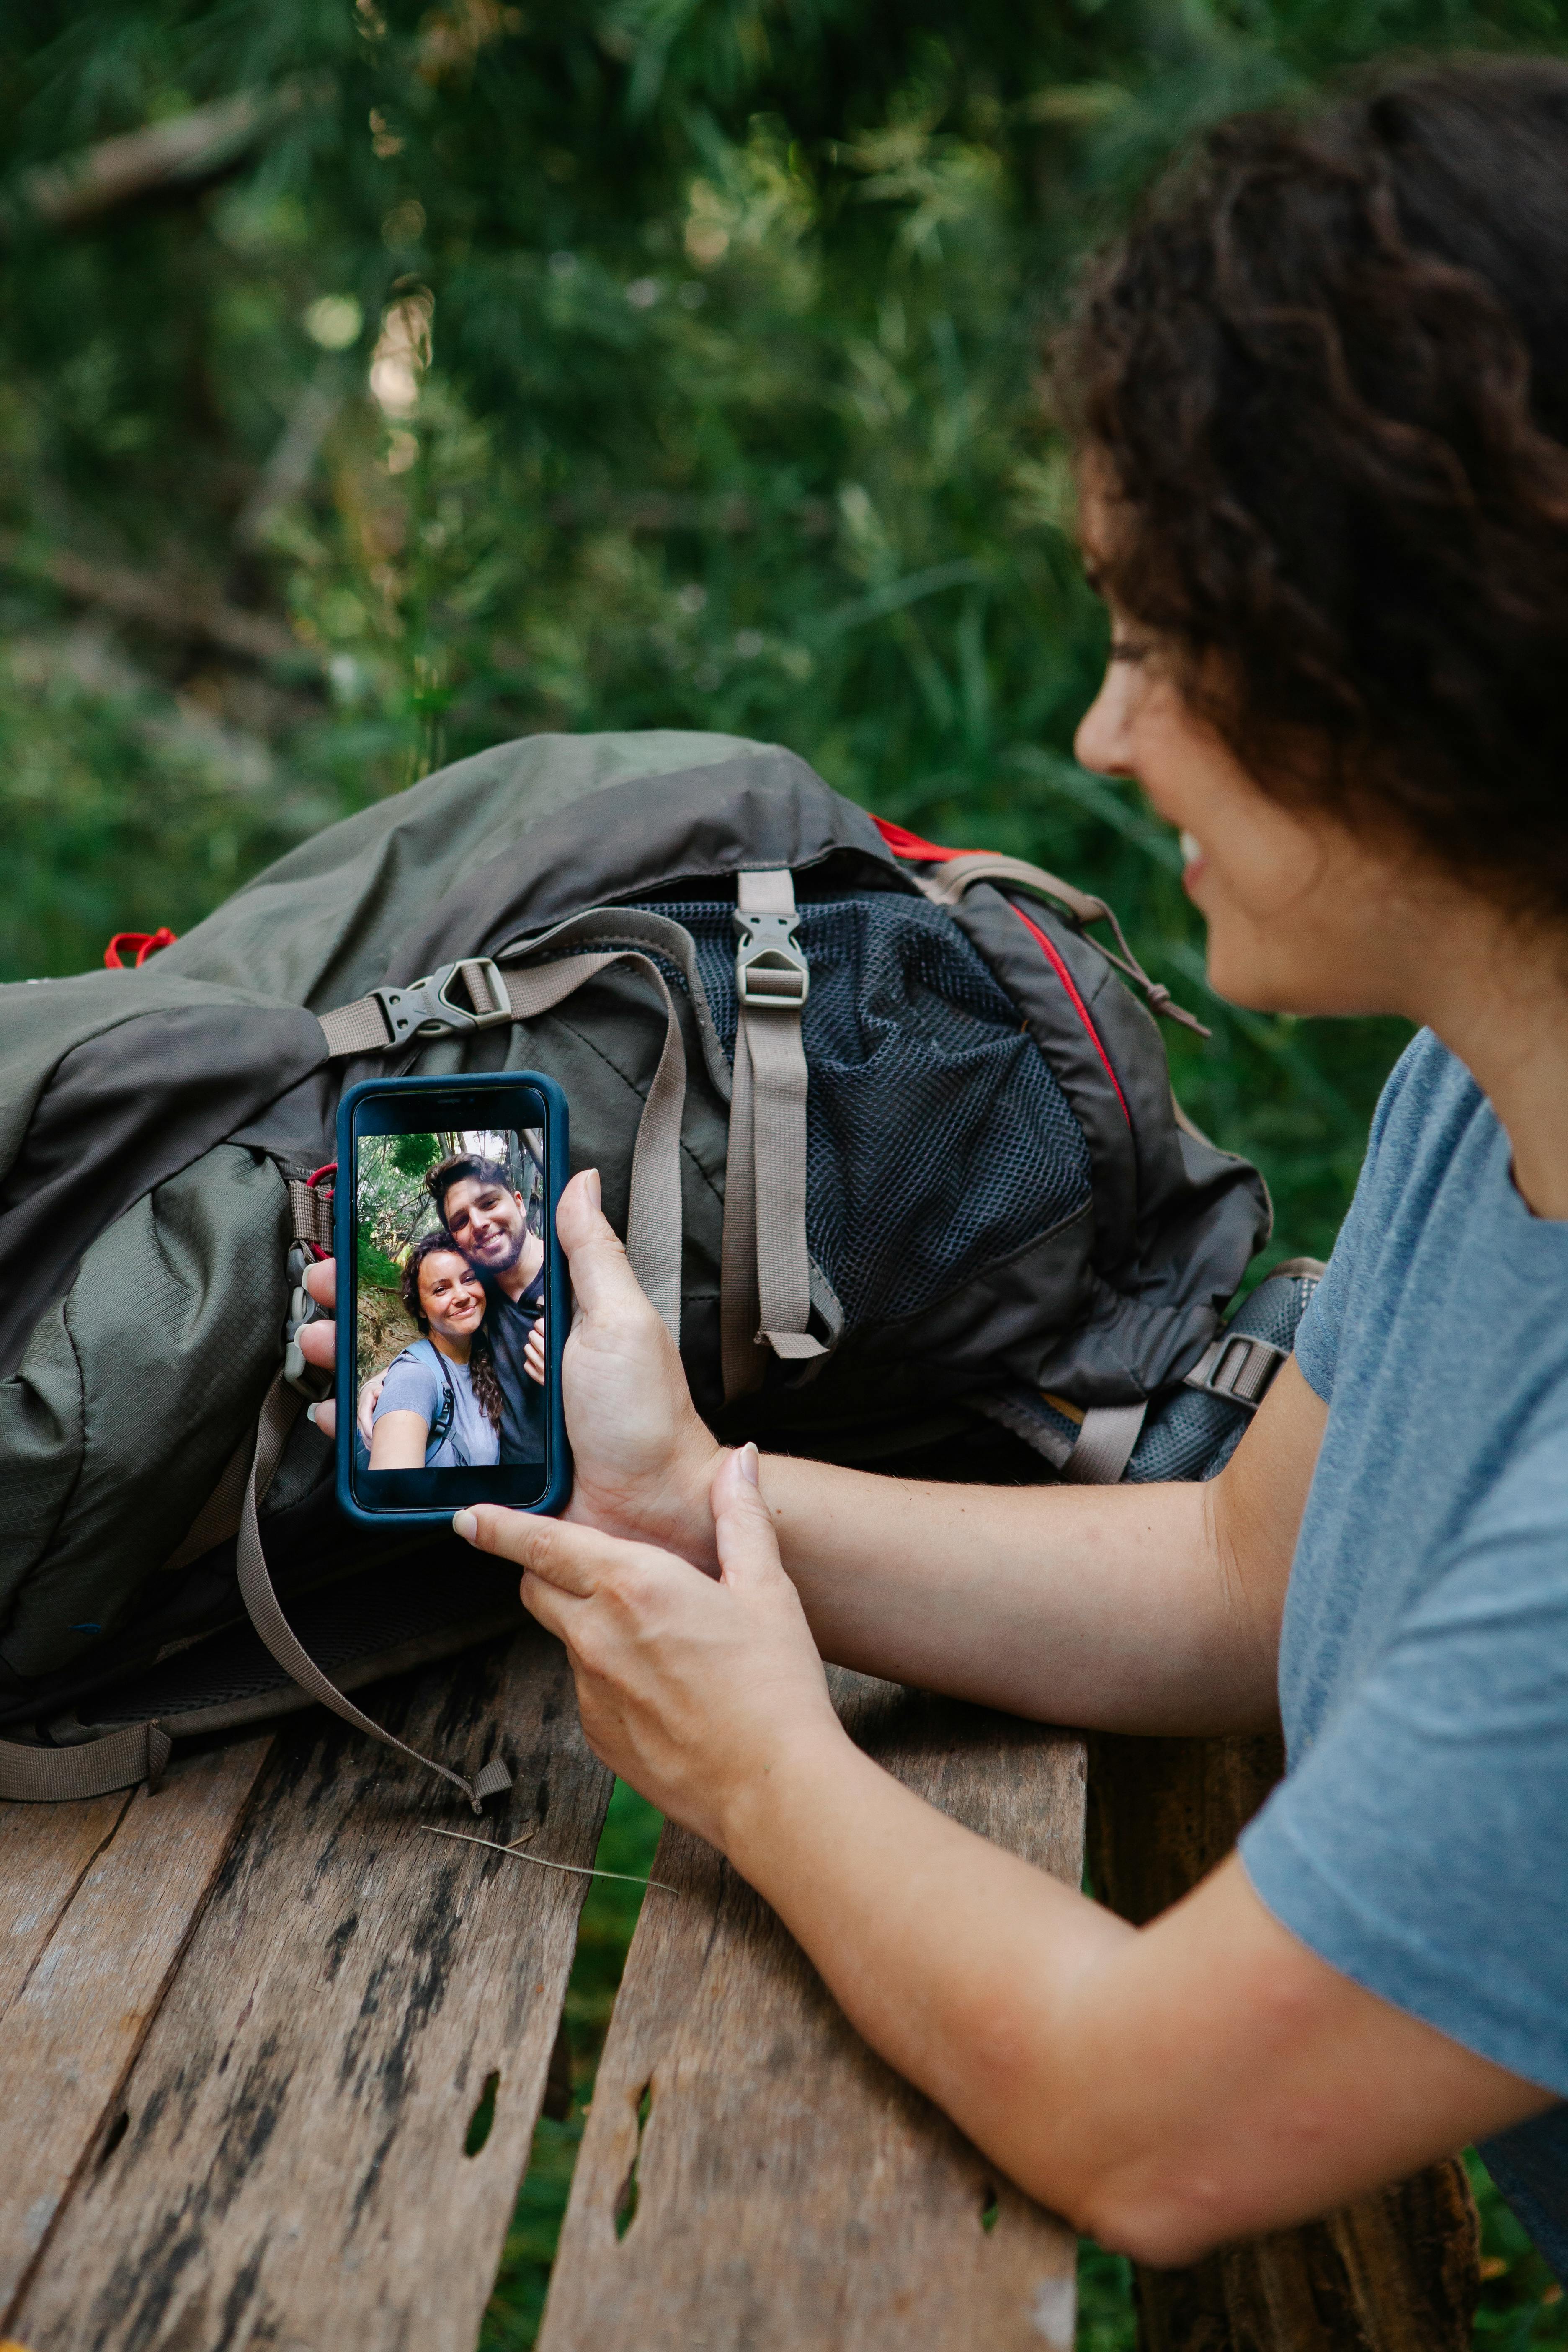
[{"x": 392, "y": 1204}]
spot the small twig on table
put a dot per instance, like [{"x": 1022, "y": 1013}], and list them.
[{"x": 627, "y": 1878}]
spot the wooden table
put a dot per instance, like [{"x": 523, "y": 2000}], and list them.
[{"x": 246, "y": 2022}]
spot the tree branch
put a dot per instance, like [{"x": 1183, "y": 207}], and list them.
[
  {"x": 172, "y": 609},
  {"x": 182, "y": 153}
]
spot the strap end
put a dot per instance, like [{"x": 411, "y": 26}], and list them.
[{"x": 492, "y": 1780}]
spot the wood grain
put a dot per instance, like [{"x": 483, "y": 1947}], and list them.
[
  {"x": 789, "y": 2190},
  {"x": 128, "y": 1879},
  {"x": 46, "y": 1851},
  {"x": 293, "y": 2170},
  {"x": 1395, "y": 2271}
]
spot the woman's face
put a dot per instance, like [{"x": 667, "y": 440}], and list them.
[
  {"x": 451, "y": 1296},
  {"x": 1303, "y": 916}
]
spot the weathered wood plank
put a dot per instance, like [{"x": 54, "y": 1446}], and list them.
[
  {"x": 74, "y": 2025},
  {"x": 293, "y": 2173},
  {"x": 786, "y": 2189},
  {"x": 46, "y": 1851},
  {"x": 1395, "y": 2271}
]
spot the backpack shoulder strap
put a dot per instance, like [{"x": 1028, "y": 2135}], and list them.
[{"x": 425, "y": 1353}]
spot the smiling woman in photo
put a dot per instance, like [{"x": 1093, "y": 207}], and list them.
[{"x": 440, "y": 1402}]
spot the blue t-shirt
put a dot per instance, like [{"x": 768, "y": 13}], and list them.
[
  {"x": 1417, "y": 1841},
  {"x": 414, "y": 1384}
]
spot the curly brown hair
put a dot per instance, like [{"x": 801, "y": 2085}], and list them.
[
  {"x": 482, "y": 1370},
  {"x": 1324, "y": 381}
]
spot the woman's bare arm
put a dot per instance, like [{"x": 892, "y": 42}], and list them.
[
  {"x": 398, "y": 1441},
  {"x": 1126, "y": 1607},
  {"x": 1166, "y": 2086}
]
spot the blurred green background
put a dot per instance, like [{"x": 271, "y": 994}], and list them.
[{"x": 380, "y": 379}]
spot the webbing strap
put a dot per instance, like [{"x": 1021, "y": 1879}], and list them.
[
  {"x": 520, "y": 992},
  {"x": 765, "y": 1264},
  {"x": 1239, "y": 1367},
  {"x": 956, "y": 874},
  {"x": 217, "y": 1519},
  {"x": 654, "y": 1211},
  {"x": 778, "y": 1157},
  {"x": 359, "y": 1028},
  {"x": 312, "y": 1208},
  {"x": 266, "y": 1614},
  {"x": 1105, "y": 1444},
  {"x": 740, "y": 1353},
  {"x": 54, "y": 1776}
]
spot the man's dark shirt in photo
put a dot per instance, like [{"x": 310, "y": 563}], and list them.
[{"x": 508, "y": 1322}]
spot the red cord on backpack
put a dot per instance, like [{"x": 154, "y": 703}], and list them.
[
  {"x": 904, "y": 844},
  {"x": 141, "y": 944}
]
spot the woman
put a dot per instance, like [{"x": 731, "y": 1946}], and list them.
[
  {"x": 440, "y": 1402},
  {"x": 1322, "y": 396}
]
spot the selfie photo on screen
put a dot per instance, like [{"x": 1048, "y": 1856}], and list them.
[{"x": 450, "y": 1330}]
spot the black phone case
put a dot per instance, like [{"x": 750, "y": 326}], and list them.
[{"x": 556, "y": 1292}]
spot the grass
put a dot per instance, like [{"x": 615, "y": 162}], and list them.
[
  {"x": 604, "y": 1930},
  {"x": 1522, "y": 2308}
]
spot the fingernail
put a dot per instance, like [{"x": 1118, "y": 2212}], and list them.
[
  {"x": 309, "y": 1413},
  {"x": 593, "y": 1182},
  {"x": 749, "y": 1465},
  {"x": 464, "y": 1524}
]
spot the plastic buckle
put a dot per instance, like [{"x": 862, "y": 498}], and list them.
[
  {"x": 1238, "y": 1368},
  {"x": 770, "y": 968},
  {"x": 425, "y": 1007}
]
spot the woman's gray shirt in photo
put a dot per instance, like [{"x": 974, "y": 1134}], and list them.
[
  {"x": 1417, "y": 1844},
  {"x": 416, "y": 1382}
]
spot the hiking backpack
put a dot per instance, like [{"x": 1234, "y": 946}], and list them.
[{"x": 890, "y": 1135}]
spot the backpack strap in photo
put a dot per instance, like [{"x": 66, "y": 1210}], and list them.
[
  {"x": 425, "y": 1351},
  {"x": 447, "y": 1411}
]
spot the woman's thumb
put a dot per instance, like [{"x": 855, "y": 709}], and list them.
[
  {"x": 602, "y": 1280},
  {"x": 743, "y": 1532}
]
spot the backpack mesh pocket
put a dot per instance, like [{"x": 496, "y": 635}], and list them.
[{"x": 938, "y": 1141}]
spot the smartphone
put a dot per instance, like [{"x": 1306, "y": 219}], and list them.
[{"x": 451, "y": 1297}]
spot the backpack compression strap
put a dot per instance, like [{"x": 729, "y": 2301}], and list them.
[
  {"x": 521, "y": 993},
  {"x": 765, "y": 1265},
  {"x": 961, "y": 869},
  {"x": 52, "y": 1776},
  {"x": 266, "y": 1614}
]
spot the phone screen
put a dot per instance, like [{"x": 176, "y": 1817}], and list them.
[{"x": 453, "y": 1368}]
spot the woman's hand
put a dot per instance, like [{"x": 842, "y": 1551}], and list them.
[
  {"x": 643, "y": 1459},
  {"x": 318, "y": 1345},
  {"x": 693, "y": 1690}
]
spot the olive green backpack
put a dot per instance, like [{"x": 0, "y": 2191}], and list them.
[{"x": 887, "y": 1129}]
